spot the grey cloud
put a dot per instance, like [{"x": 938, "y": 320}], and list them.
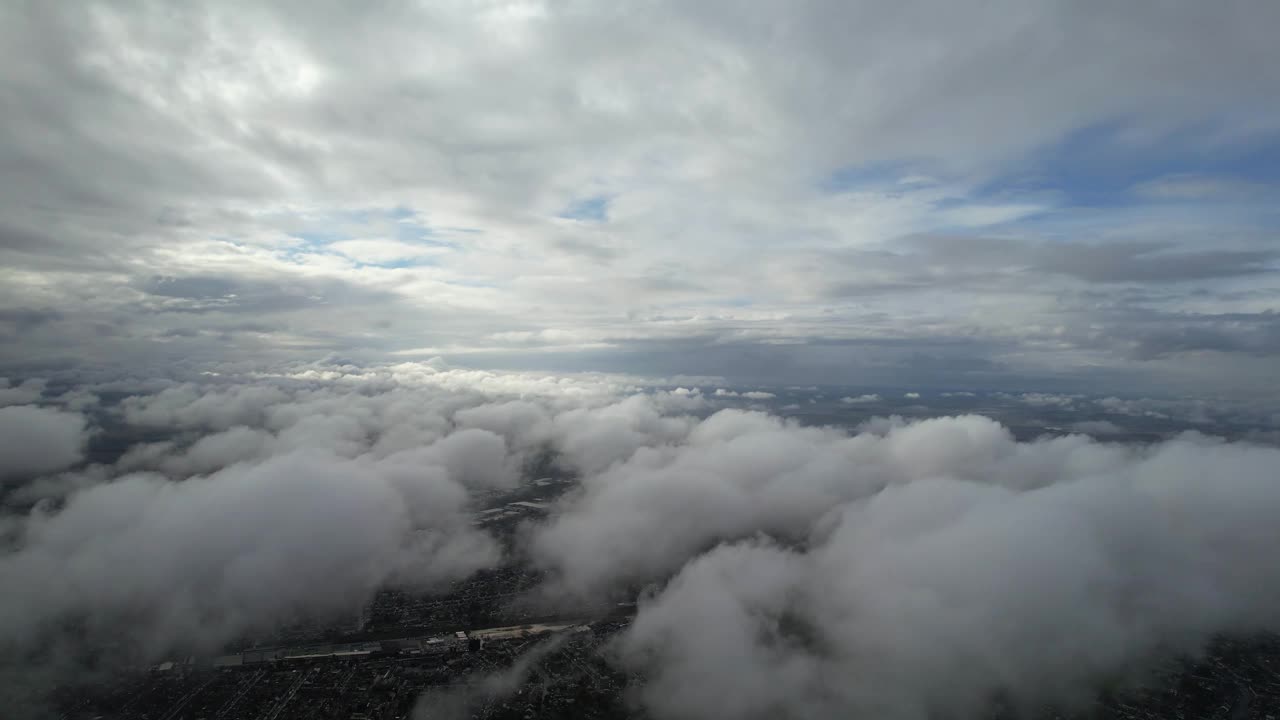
[
  {"x": 264, "y": 490},
  {"x": 28, "y": 391},
  {"x": 171, "y": 557},
  {"x": 205, "y": 294},
  {"x": 1039, "y": 595},
  {"x": 1096, "y": 427},
  {"x": 831, "y": 549},
  {"x": 738, "y": 473},
  {"x": 24, "y": 319},
  {"x": 211, "y": 162},
  {"x": 597, "y": 251},
  {"x": 222, "y": 513},
  {"x": 1048, "y": 567},
  {"x": 1148, "y": 335},
  {"x": 941, "y": 261},
  {"x": 35, "y": 440},
  {"x": 250, "y": 327},
  {"x": 1260, "y": 338},
  {"x": 1151, "y": 263},
  {"x": 192, "y": 288}
]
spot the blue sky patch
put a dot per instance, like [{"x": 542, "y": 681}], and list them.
[
  {"x": 1097, "y": 166},
  {"x": 873, "y": 176},
  {"x": 589, "y": 209}
]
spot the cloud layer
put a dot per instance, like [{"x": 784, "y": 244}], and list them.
[
  {"x": 1029, "y": 194},
  {"x": 941, "y": 593},
  {"x": 902, "y": 568},
  {"x": 268, "y": 501},
  {"x": 36, "y": 440}
]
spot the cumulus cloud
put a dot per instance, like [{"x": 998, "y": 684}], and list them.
[
  {"x": 35, "y": 440},
  {"x": 272, "y": 500},
  {"x": 192, "y": 564},
  {"x": 294, "y": 496},
  {"x": 813, "y": 571},
  {"x": 860, "y": 399},
  {"x": 916, "y": 569},
  {"x": 749, "y": 394},
  {"x": 737, "y": 473},
  {"x": 28, "y": 391},
  {"x": 1036, "y": 399}
]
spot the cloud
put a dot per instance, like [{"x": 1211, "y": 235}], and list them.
[
  {"x": 1036, "y": 399},
  {"x": 193, "y": 564},
  {"x": 1150, "y": 262},
  {"x": 860, "y": 399},
  {"x": 834, "y": 570},
  {"x": 26, "y": 392},
  {"x": 760, "y": 219},
  {"x": 36, "y": 440},
  {"x": 737, "y": 473},
  {"x": 459, "y": 703},
  {"x": 938, "y": 596},
  {"x": 749, "y": 394},
  {"x": 808, "y": 572},
  {"x": 1096, "y": 427},
  {"x": 273, "y": 499}
]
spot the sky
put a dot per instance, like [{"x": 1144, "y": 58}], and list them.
[
  {"x": 1022, "y": 195},
  {"x": 273, "y": 266}
]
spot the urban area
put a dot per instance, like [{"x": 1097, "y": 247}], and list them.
[{"x": 484, "y": 650}]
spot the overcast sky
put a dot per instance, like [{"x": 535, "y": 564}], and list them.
[{"x": 1027, "y": 194}]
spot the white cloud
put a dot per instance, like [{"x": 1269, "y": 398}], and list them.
[
  {"x": 868, "y": 542},
  {"x": 860, "y": 399},
  {"x": 195, "y": 563},
  {"x": 881, "y": 542},
  {"x": 754, "y": 211},
  {"x": 748, "y": 394},
  {"x": 1037, "y": 399}
]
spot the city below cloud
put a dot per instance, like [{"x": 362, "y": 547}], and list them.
[{"x": 671, "y": 360}]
